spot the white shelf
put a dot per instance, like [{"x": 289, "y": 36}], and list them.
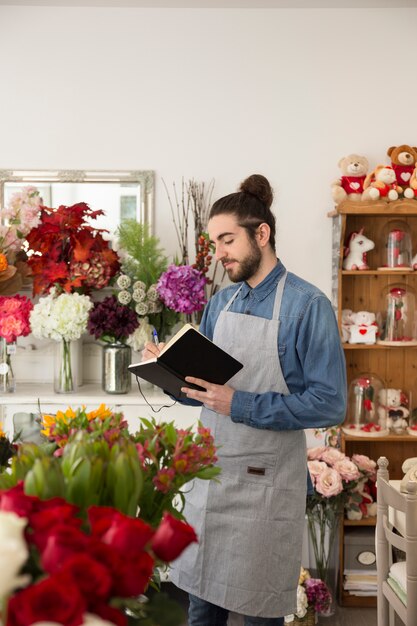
[{"x": 30, "y": 393}]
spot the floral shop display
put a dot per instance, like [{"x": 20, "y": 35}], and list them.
[
  {"x": 88, "y": 519},
  {"x": 398, "y": 317},
  {"x": 63, "y": 318},
  {"x": 112, "y": 323},
  {"x": 68, "y": 253},
  {"x": 313, "y": 597},
  {"x": 363, "y": 417},
  {"x": 338, "y": 486},
  {"x": 14, "y": 322},
  {"x": 21, "y": 214}
]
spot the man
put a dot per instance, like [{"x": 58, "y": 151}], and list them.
[{"x": 284, "y": 331}]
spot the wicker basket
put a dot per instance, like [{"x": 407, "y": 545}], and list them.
[{"x": 309, "y": 619}]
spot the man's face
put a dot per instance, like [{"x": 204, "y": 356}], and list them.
[{"x": 240, "y": 255}]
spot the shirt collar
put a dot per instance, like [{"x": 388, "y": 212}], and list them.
[{"x": 261, "y": 291}]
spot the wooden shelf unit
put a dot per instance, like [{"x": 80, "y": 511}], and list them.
[{"x": 395, "y": 365}]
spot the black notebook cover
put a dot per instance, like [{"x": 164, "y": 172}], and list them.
[{"x": 189, "y": 353}]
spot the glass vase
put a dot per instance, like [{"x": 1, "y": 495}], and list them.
[
  {"x": 323, "y": 530},
  {"x": 116, "y": 378},
  {"x": 7, "y": 380},
  {"x": 66, "y": 366}
]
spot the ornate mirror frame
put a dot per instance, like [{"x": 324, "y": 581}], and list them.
[{"x": 143, "y": 178}]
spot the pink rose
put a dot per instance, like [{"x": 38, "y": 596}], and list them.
[
  {"x": 329, "y": 483},
  {"x": 331, "y": 455},
  {"x": 348, "y": 470},
  {"x": 364, "y": 463},
  {"x": 315, "y": 453},
  {"x": 315, "y": 468}
]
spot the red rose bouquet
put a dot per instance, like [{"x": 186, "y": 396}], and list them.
[
  {"x": 79, "y": 571},
  {"x": 70, "y": 253}
]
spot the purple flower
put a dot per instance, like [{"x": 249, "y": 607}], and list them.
[
  {"x": 181, "y": 288},
  {"x": 111, "y": 321},
  {"x": 318, "y": 594}
]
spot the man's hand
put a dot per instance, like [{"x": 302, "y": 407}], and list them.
[
  {"x": 217, "y": 397},
  {"x": 151, "y": 350}
]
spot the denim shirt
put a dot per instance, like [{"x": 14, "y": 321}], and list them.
[{"x": 310, "y": 352}]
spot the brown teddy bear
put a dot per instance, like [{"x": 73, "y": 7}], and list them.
[
  {"x": 403, "y": 162},
  {"x": 350, "y": 185},
  {"x": 380, "y": 183}
]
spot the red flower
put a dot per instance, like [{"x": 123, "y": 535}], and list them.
[
  {"x": 16, "y": 501},
  {"x": 126, "y": 534},
  {"x": 109, "y": 614},
  {"x": 74, "y": 254},
  {"x": 55, "y": 599},
  {"x": 93, "y": 579},
  {"x": 62, "y": 543},
  {"x": 172, "y": 537},
  {"x": 43, "y": 521}
]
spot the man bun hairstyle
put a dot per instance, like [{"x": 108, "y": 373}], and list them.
[{"x": 251, "y": 205}]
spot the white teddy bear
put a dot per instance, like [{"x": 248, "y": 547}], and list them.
[
  {"x": 392, "y": 411},
  {"x": 364, "y": 327}
]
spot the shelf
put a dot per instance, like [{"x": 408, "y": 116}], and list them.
[
  {"x": 376, "y": 346},
  {"x": 365, "y": 601},
  {"x": 402, "y": 272},
  {"x": 381, "y": 208},
  {"x": 366, "y": 521},
  {"x": 387, "y": 438}
]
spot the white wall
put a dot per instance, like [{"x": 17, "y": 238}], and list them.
[{"x": 212, "y": 93}]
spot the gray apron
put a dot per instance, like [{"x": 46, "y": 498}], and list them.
[{"x": 250, "y": 524}]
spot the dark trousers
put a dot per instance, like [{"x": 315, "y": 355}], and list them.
[{"x": 203, "y": 613}]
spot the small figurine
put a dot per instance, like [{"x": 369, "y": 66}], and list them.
[
  {"x": 364, "y": 328},
  {"x": 355, "y": 252},
  {"x": 392, "y": 411}
]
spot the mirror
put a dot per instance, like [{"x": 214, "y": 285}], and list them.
[{"x": 119, "y": 194}]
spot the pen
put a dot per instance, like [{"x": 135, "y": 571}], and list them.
[{"x": 155, "y": 337}]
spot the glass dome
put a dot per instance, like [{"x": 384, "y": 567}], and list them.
[
  {"x": 397, "y": 238},
  {"x": 397, "y": 321},
  {"x": 363, "y": 415}
]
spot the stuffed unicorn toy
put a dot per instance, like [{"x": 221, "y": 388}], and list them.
[{"x": 355, "y": 253}]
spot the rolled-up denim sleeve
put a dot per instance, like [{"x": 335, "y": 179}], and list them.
[{"x": 318, "y": 400}]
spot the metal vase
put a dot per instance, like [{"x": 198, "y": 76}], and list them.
[{"x": 116, "y": 378}]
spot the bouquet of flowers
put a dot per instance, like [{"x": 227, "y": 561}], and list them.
[
  {"x": 61, "y": 318},
  {"x": 143, "y": 262},
  {"x": 112, "y": 322},
  {"x": 14, "y": 322},
  {"x": 336, "y": 479},
  {"x": 79, "y": 570},
  {"x": 16, "y": 220},
  {"x": 313, "y": 596},
  {"x": 72, "y": 255}
]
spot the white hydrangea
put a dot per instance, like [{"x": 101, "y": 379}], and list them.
[
  {"x": 62, "y": 317},
  {"x": 142, "y": 335},
  {"x": 124, "y": 297},
  {"x": 123, "y": 281}
]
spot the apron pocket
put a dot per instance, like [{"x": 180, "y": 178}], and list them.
[{"x": 246, "y": 468}]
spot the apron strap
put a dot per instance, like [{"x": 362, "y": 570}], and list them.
[
  {"x": 278, "y": 297},
  {"x": 229, "y": 304}
]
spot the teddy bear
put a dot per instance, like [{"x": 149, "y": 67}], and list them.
[
  {"x": 380, "y": 183},
  {"x": 347, "y": 322},
  {"x": 413, "y": 182},
  {"x": 392, "y": 410},
  {"x": 364, "y": 328},
  {"x": 350, "y": 185},
  {"x": 355, "y": 251},
  {"x": 403, "y": 162},
  {"x": 362, "y": 501}
]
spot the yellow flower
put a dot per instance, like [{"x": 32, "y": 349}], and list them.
[
  {"x": 102, "y": 413},
  {"x": 48, "y": 421},
  {"x": 2, "y": 433}
]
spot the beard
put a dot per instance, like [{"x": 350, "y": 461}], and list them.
[{"x": 247, "y": 267}]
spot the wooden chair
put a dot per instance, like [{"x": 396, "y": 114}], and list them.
[{"x": 389, "y": 599}]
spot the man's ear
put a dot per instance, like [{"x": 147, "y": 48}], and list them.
[{"x": 263, "y": 234}]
